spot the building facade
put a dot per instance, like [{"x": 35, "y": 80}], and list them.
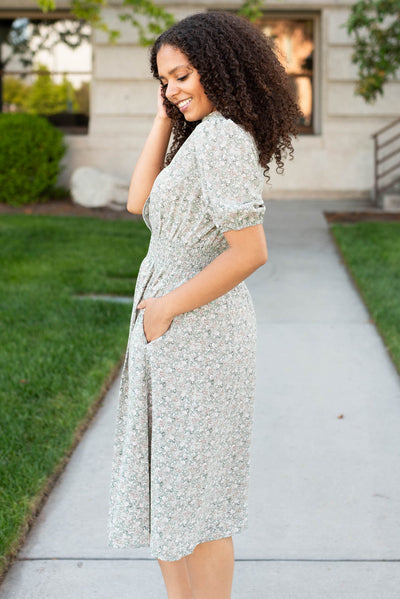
[{"x": 333, "y": 152}]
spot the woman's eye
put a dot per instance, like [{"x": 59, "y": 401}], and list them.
[{"x": 182, "y": 78}]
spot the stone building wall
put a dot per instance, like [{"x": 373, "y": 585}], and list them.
[{"x": 336, "y": 161}]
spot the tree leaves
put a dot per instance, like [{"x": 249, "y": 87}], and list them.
[
  {"x": 375, "y": 24},
  {"x": 149, "y": 20}
]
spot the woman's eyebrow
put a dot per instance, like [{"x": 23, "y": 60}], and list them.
[{"x": 181, "y": 66}]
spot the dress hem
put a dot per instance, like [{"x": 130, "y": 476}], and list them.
[{"x": 183, "y": 552}]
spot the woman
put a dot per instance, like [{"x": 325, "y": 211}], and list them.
[{"x": 181, "y": 454}]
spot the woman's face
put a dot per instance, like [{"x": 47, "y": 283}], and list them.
[{"x": 181, "y": 83}]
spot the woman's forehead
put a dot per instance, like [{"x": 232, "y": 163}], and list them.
[{"x": 170, "y": 59}]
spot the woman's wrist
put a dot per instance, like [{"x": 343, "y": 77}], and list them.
[
  {"x": 163, "y": 121},
  {"x": 168, "y": 305}
]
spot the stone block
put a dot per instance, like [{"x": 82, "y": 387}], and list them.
[
  {"x": 323, "y": 165},
  {"x": 93, "y": 188},
  {"x": 188, "y": 8},
  {"x": 124, "y": 97},
  {"x": 340, "y": 66},
  {"x": 31, "y": 4},
  {"x": 337, "y": 33},
  {"x": 391, "y": 202},
  {"x": 122, "y": 62},
  {"x": 128, "y": 33},
  {"x": 342, "y": 101},
  {"x": 115, "y": 154},
  {"x": 108, "y": 130}
]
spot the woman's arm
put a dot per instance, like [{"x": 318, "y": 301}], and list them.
[
  {"x": 151, "y": 160},
  {"x": 247, "y": 251}
]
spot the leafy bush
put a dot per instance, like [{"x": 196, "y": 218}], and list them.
[
  {"x": 15, "y": 94},
  {"x": 30, "y": 152}
]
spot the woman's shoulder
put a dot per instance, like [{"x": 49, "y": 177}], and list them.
[
  {"x": 215, "y": 129},
  {"x": 215, "y": 122}
]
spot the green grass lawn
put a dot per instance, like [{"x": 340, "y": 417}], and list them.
[
  {"x": 372, "y": 253},
  {"x": 57, "y": 353}
]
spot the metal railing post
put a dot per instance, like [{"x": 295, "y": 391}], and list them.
[
  {"x": 376, "y": 198},
  {"x": 380, "y": 186}
]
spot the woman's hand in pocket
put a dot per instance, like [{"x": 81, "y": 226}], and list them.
[{"x": 156, "y": 318}]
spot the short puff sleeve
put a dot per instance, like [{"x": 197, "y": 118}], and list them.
[{"x": 230, "y": 172}]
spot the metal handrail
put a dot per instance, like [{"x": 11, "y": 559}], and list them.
[
  {"x": 389, "y": 126},
  {"x": 387, "y": 156},
  {"x": 379, "y": 144},
  {"x": 390, "y": 140},
  {"x": 393, "y": 182},
  {"x": 389, "y": 170}
]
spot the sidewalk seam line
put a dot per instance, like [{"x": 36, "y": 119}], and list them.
[{"x": 240, "y": 559}]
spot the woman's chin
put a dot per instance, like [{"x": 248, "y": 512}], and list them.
[
  {"x": 189, "y": 116},
  {"x": 192, "y": 117}
]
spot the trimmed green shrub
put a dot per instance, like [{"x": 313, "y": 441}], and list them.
[{"x": 30, "y": 153}]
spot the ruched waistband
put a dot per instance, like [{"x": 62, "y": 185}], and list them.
[{"x": 180, "y": 258}]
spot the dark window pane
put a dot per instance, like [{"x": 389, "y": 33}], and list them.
[{"x": 294, "y": 39}]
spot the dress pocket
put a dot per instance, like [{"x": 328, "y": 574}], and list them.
[{"x": 158, "y": 339}]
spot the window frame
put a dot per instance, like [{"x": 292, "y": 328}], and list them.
[{"x": 315, "y": 17}]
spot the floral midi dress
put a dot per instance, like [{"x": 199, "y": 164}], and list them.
[{"x": 184, "y": 422}]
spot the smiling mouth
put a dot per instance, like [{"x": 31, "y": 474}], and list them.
[{"x": 184, "y": 103}]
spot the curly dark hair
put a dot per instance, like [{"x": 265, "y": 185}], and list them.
[{"x": 241, "y": 76}]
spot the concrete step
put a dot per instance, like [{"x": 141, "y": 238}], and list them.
[{"x": 391, "y": 201}]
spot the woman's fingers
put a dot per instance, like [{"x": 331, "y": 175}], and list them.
[
  {"x": 160, "y": 103},
  {"x": 155, "y": 320}
]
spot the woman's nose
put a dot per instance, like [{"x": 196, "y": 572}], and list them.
[{"x": 172, "y": 90}]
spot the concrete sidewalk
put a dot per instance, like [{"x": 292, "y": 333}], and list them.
[{"x": 324, "y": 504}]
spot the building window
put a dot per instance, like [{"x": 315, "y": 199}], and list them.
[
  {"x": 295, "y": 41},
  {"x": 46, "y": 68}
]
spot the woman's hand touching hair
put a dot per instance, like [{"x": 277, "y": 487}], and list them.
[
  {"x": 161, "y": 110},
  {"x": 151, "y": 160}
]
